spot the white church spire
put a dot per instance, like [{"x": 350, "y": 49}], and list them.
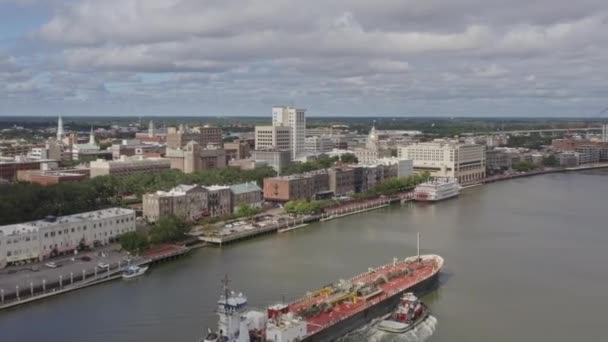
[{"x": 60, "y": 132}]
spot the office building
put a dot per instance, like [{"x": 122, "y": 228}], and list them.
[
  {"x": 129, "y": 166},
  {"x": 318, "y": 144},
  {"x": 444, "y": 158},
  {"x": 193, "y": 158},
  {"x": 277, "y": 159},
  {"x": 238, "y": 149},
  {"x": 296, "y": 119},
  {"x": 179, "y": 137},
  {"x": 273, "y": 138}
]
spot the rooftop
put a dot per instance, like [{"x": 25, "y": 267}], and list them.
[
  {"x": 244, "y": 188},
  {"x": 32, "y": 226}
]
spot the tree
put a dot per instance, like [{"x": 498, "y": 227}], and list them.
[
  {"x": 245, "y": 210},
  {"x": 169, "y": 229},
  {"x": 134, "y": 242},
  {"x": 303, "y": 207},
  {"x": 524, "y": 166},
  {"x": 349, "y": 158},
  {"x": 550, "y": 161}
]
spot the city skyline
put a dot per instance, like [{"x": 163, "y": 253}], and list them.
[{"x": 468, "y": 58}]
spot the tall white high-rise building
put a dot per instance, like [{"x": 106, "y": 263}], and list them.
[
  {"x": 296, "y": 119},
  {"x": 60, "y": 132}
]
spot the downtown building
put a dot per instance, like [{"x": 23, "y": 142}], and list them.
[
  {"x": 193, "y": 158},
  {"x": 188, "y": 202},
  {"x": 179, "y": 137},
  {"x": 446, "y": 158},
  {"x": 128, "y": 166},
  {"x": 42, "y": 239},
  {"x": 295, "y": 119}
]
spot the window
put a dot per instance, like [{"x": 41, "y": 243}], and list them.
[
  {"x": 74, "y": 229},
  {"x": 84, "y": 228},
  {"x": 8, "y": 253},
  {"x": 46, "y": 235},
  {"x": 59, "y": 232}
]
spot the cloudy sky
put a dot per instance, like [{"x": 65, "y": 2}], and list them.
[{"x": 341, "y": 57}]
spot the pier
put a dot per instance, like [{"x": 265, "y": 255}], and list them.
[{"x": 51, "y": 282}]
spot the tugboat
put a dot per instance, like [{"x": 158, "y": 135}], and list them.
[{"x": 410, "y": 312}]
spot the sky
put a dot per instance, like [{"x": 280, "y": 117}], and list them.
[{"x": 357, "y": 57}]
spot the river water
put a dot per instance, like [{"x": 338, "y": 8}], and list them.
[{"x": 526, "y": 260}]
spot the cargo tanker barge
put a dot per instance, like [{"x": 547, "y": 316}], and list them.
[{"x": 330, "y": 312}]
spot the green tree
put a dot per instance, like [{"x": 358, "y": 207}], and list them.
[
  {"x": 245, "y": 210},
  {"x": 134, "y": 242},
  {"x": 169, "y": 229},
  {"x": 524, "y": 166},
  {"x": 349, "y": 158},
  {"x": 550, "y": 161}
]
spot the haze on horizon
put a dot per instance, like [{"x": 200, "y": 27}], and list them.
[{"x": 539, "y": 58}]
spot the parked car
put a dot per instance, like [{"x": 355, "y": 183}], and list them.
[
  {"x": 103, "y": 265},
  {"x": 85, "y": 258},
  {"x": 52, "y": 264}
]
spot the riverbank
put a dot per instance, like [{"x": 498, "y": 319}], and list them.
[{"x": 544, "y": 171}]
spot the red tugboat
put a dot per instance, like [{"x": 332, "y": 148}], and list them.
[{"x": 409, "y": 313}]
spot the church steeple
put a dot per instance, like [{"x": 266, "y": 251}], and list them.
[
  {"x": 60, "y": 133},
  {"x": 92, "y": 137}
]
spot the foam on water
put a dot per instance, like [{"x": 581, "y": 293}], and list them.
[{"x": 370, "y": 334}]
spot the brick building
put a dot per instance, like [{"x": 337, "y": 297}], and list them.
[{"x": 296, "y": 187}]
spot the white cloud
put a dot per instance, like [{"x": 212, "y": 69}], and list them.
[{"x": 397, "y": 54}]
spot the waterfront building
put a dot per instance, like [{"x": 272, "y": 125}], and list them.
[
  {"x": 128, "y": 166},
  {"x": 497, "y": 160},
  {"x": 568, "y": 159},
  {"x": 219, "y": 200},
  {"x": 246, "y": 194},
  {"x": 296, "y": 120},
  {"x": 397, "y": 168},
  {"x": 296, "y": 187},
  {"x": 446, "y": 158},
  {"x": 193, "y": 158},
  {"x": 41, "y": 239},
  {"x": 588, "y": 154},
  {"x": 273, "y": 138},
  {"x": 277, "y": 159},
  {"x": 179, "y": 137},
  {"x": 341, "y": 180},
  {"x": 188, "y": 202},
  {"x": 318, "y": 144}
]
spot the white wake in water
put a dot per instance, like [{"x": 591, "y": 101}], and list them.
[{"x": 370, "y": 334}]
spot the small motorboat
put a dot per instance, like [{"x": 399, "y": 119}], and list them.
[
  {"x": 410, "y": 312},
  {"x": 134, "y": 271}
]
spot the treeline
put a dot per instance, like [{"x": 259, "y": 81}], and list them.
[
  {"x": 25, "y": 202},
  {"x": 323, "y": 162}
]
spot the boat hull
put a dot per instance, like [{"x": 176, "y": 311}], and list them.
[
  {"x": 426, "y": 199},
  {"x": 379, "y": 309}
]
